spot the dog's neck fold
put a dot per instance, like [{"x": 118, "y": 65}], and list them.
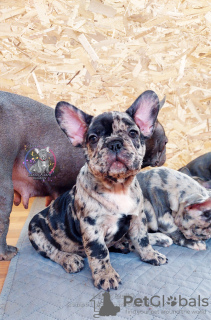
[{"x": 104, "y": 191}]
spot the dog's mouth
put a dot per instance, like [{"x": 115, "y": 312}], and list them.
[
  {"x": 122, "y": 164},
  {"x": 117, "y": 167}
]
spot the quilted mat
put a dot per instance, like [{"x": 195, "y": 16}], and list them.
[{"x": 37, "y": 288}]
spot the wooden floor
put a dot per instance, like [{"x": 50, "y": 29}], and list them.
[{"x": 17, "y": 220}]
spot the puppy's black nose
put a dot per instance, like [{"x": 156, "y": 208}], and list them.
[{"x": 115, "y": 145}]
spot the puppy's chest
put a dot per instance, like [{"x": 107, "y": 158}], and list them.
[
  {"x": 124, "y": 203},
  {"x": 117, "y": 223},
  {"x": 115, "y": 227}
]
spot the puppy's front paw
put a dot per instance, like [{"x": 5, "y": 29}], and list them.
[
  {"x": 155, "y": 258},
  {"x": 72, "y": 263},
  {"x": 107, "y": 279},
  {"x": 197, "y": 245}
]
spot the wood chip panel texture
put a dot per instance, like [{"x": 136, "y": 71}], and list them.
[{"x": 100, "y": 55}]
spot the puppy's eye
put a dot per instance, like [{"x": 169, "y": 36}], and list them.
[
  {"x": 207, "y": 213},
  {"x": 133, "y": 133},
  {"x": 93, "y": 138}
]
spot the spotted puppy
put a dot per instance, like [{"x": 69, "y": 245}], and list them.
[
  {"x": 106, "y": 202},
  {"x": 177, "y": 206}
]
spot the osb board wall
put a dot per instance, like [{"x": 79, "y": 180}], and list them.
[{"x": 100, "y": 55}]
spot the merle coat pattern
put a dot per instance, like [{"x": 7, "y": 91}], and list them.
[
  {"x": 177, "y": 206},
  {"x": 106, "y": 203}
]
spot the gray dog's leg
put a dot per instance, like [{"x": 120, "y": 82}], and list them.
[{"x": 6, "y": 202}]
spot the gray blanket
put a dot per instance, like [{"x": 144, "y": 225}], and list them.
[{"x": 39, "y": 289}]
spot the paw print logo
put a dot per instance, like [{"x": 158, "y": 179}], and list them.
[{"x": 172, "y": 301}]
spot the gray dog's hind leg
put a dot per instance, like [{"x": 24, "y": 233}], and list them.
[
  {"x": 6, "y": 201},
  {"x": 7, "y": 158},
  {"x": 71, "y": 262}
]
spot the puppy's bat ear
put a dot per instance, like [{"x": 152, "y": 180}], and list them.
[
  {"x": 192, "y": 201},
  {"x": 72, "y": 121},
  {"x": 144, "y": 111},
  {"x": 195, "y": 198},
  {"x": 203, "y": 206}
]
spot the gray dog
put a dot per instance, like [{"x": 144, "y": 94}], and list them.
[
  {"x": 106, "y": 203},
  {"x": 200, "y": 170}
]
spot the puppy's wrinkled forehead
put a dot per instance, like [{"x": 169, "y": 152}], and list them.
[{"x": 110, "y": 123}]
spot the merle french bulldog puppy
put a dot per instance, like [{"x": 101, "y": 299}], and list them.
[
  {"x": 177, "y": 206},
  {"x": 106, "y": 203},
  {"x": 200, "y": 170}
]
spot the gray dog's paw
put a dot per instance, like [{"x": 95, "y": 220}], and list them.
[
  {"x": 155, "y": 258},
  {"x": 72, "y": 263},
  {"x": 9, "y": 253},
  {"x": 107, "y": 279}
]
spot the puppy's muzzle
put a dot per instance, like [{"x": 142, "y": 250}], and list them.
[{"x": 115, "y": 145}]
